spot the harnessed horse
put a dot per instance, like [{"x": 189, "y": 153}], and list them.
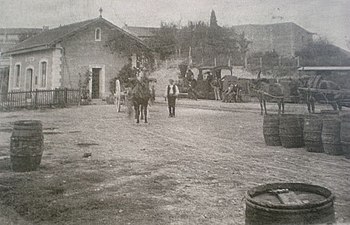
[
  {"x": 266, "y": 92},
  {"x": 141, "y": 94},
  {"x": 317, "y": 83}
]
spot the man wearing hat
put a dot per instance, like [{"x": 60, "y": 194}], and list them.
[{"x": 171, "y": 93}]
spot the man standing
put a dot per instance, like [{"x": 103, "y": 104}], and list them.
[
  {"x": 216, "y": 87},
  {"x": 171, "y": 93},
  {"x": 192, "y": 94}
]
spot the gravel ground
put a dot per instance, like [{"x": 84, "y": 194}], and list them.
[{"x": 192, "y": 169}]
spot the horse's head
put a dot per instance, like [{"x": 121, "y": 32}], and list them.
[
  {"x": 327, "y": 84},
  {"x": 257, "y": 84}
]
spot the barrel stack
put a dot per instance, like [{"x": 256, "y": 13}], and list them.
[
  {"x": 312, "y": 133},
  {"x": 345, "y": 134},
  {"x": 291, "y": 131},
  {"x": 331, "y": 135},
  {"x": 271, "y": 130}
]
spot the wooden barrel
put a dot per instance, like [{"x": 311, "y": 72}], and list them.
[
  {"x": 289, "y": 204},
  {"x": 271, "y": 130},
  {"x": 312, "y": 133},
  {"x": 26, "y": 146},
  {"x": 291, "y": 131},
  {"x": 331, "y": 135},
  {"x": 345, "y": 134}
]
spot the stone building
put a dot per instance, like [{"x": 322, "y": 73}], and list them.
[
  {"x": 9, "y": 37},
  {"x": 283, "y": 38},
  {"x": 61, "y": 57}
]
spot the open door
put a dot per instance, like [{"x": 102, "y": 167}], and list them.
[
  {"x": 4, "y": 82},
  {"x": 29, "y": 80},
  {"x": 95, "y": 86}
]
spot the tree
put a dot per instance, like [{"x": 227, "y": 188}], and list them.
[
  {"x": 243, "y": 44},
  {"x": 126, "y": 73},
  {"x": 323, "y": 53},
  {"x": 123, "y": 44},
  {"x": 206, "y": 41},
  {"x": 164, "y": 42},
  {"x": 213, "y": 21}
]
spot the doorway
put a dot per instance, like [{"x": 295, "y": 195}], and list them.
[
  {"x": 4, "y": 82},
  {"x": 29, "y": 80},
  {"x": 95, "y": 83}
]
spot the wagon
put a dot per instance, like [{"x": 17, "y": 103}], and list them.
[
  {"x": 339, "y": 93},
  {"x": 342, "y": 96}
]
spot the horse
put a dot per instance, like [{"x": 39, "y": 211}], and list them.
[
  {"x": 311, "y": 97},
  {"x": 141, "y": 94},
  {"x": 266, "y": 92}
]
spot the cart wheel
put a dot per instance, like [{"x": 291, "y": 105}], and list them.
[{"x": 117, "y": 95}]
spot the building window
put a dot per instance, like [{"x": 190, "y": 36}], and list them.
[
  {"x": 17, "y": 75},
  {"x": 43, "y": 75},
  {"x": 98, "y": 34}
]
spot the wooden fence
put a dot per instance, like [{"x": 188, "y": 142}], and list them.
[{"x": 39, "y": 98}]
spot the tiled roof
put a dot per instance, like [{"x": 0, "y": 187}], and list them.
[
  {"x": 242, "y": 27},
  {"x": 50, "y": 37},
  {"x": 142, "y": 31},
  {"x": 324, "y": 68},
  {"x": 17, "y": 31}
]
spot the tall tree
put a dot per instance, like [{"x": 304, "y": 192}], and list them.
[
  {"x": 165, "y": 40},
  {"x": 213, "y": 21},
  {"x": 243, "y": 44}
]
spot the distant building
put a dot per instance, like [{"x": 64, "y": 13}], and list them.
[
  {"x": 144, "y": 33},
  {"x": 283, "y": 38},
  {"x": 57, "y": 58},
  {"x": 9, "y": 37}
]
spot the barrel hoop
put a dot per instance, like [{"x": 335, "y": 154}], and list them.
[
  {"x": 329, "y": 197},
  {"x": 290, "y": 210}
]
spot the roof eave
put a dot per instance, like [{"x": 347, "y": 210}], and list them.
[
  {"x": 26, "y": 50},
  {"x": 324, "y": 68}
]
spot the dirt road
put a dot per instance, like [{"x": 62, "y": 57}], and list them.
[{"x": 192, "y": 169}]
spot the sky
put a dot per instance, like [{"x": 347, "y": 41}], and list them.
[{"x": 327, "y": 18}]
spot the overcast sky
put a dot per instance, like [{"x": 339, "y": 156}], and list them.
[{"x": 328, "y": 18}]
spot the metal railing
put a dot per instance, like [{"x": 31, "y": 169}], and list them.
[{"x": 39, "y": 98}]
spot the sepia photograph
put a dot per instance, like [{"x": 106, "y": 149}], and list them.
[{"x": 174, "y": 112}]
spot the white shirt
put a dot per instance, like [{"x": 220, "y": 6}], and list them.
[{"x": 171, "y": 91}]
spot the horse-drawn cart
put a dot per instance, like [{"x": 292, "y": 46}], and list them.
[
  {"x": 327, "y": 85},
  {"x": 329, "y": 96}
]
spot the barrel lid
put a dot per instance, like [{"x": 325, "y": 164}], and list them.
[{"x": 289, "y": 195}]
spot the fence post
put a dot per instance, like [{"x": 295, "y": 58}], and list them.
[
  {"x": 36, "y": 98},
  {"x": 65, "y": 96},
  {"x": 79, "y": 96}
]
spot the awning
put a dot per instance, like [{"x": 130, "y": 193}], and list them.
[{"x": 324, "y": 68}]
